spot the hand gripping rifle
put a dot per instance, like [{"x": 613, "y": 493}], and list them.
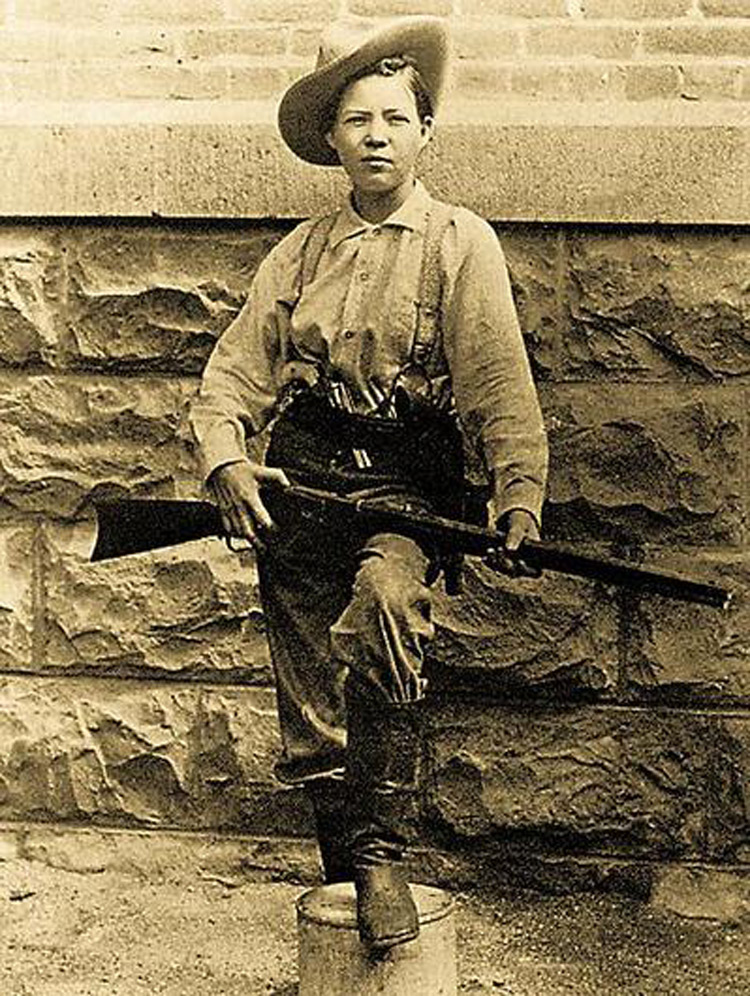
[{"x": 133, "y": 526}]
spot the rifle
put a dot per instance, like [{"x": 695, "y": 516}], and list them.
[{"x": 128, "y": 526}]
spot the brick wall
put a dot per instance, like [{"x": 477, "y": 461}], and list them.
[{"x": 251, "y": 49}]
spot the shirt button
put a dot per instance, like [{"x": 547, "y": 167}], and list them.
[
  {"x": 364, "y": 277},
  {"x": 348, "y": 333}
]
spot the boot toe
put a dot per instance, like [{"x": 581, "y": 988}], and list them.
[{"x": 386, "y": 912}]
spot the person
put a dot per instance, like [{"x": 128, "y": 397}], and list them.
[{"x": 366, "y": 334}]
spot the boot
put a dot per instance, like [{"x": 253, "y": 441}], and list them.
[
  {"x": 328, "y": 798},
  {"x": 382, "y": 756}
]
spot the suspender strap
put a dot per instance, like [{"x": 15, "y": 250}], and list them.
[
  {"x": 315, "y": 244},
  {"x": 430, "y": 283}
]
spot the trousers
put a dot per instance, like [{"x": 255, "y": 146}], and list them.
[{"x": 332, "y": 603}]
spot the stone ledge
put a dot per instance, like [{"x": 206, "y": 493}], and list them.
[
  {"x": 647, "y": 163},
  {"x": 693, "y": 890}
]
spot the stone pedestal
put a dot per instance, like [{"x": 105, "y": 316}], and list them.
[{"x": 334, "y": 962}]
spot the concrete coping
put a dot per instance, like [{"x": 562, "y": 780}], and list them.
[{"x": 653, "y": 162}]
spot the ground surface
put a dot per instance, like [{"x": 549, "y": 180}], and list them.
[{"x": 111, "y": 934}]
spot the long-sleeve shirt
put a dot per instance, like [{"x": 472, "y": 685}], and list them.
[{"x": 357, "y": 319}]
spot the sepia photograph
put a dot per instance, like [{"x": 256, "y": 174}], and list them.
[{"x": 374, "y": 497}]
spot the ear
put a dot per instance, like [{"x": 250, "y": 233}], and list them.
[
  {"x": 428, "y": 130},
  {"x": 329, "y": 139}
]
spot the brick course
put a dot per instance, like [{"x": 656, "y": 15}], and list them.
[
  {"x": 569, "y": 41},
  {"x": 637, "y": 9},
  {"x": 515, "y": 8}
]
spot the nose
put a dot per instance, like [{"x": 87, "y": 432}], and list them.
[{"x": 376, "y": 134}]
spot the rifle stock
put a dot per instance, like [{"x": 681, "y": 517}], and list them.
[{"x": 134, "y": 526}]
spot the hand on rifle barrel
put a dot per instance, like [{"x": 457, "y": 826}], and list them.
[
  {"x": 236, "y": 487},
  {"x": 513, "y": 528}
]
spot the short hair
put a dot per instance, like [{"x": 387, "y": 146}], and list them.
[{"x": 390, "y": 66}]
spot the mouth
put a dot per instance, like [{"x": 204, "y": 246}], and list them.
[{"x": 376, "y": 161}]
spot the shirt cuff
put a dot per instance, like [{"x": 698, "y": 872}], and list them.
[
  {"x": 223, "y": 444},
  {"x": 520, "y": 494}
]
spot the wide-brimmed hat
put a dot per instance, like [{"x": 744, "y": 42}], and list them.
[{"x": 347, "y": 47}]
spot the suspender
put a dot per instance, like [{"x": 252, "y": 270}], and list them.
[
  {"x": 314, "y": 247},
  {"x": 430, "y": 285}
]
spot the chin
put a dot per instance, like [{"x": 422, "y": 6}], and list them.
[{"x": 378, "y": 184}]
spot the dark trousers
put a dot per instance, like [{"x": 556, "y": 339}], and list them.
[{"x": 333, "y": 604}]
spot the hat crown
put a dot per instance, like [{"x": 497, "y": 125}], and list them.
[
  {"x": 349, "y": 47},
  {"x": 344, "y": 37}
]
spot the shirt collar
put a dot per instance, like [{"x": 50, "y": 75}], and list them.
[{"x": 412, "y": 215}]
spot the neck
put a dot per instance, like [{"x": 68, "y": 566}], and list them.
[{"x": 376, "y": 207}]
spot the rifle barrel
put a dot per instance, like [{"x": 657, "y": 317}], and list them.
[{"x": 542, "y": 554}]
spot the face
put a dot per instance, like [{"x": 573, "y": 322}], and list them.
[{"x": 378, "y": 135}]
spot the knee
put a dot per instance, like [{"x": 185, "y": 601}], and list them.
[{"x": 387, "y": 584}]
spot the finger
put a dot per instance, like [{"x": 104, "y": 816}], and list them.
[
  {"x": 260, "y": 514},
  {"x": 275, "y": 475},
  {"x": 498, "y": 560},
  {"x": 246, "y": 526},
  {"x": 226, "y": 522},
  {"x": 517, "y": 533}
]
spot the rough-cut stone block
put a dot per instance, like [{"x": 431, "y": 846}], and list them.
[
  {"x": 689, "y": 654},
  {"x": 612, "y": 780},
  {"x": 532, "y": 257},
  {"x": 655, "y": 464},
  {"x": 156, "y": 299},
  {"x": 66, "y": 439},
  {"x": 655, "y": 307},
  {"x": 135, "y": 753},
  {"x": 16, "y": 597},
  {"x": 157, "y": 855},
  {"x": 532, "y": 636},
  {"x": 704, "y": 893},
  {"x": 30, "y": 294},
  {"x": 190, "y": 610}
]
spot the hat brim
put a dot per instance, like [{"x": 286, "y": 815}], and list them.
[{"x": 302, "y": 114}]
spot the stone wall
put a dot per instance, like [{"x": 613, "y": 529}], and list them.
[
  {"x": 575, "y": 735},
  {"x": 567, "y": 719}
]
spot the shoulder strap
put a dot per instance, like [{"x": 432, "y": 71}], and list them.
[
  {"x": 430, "y": 285},
  {"x": 313, "y": 248}
]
